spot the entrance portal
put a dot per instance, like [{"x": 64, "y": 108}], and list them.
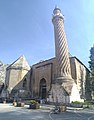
[{"x": 42, "y": 91}]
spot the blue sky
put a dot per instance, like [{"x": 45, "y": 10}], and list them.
[{"x": 26, "y": 28}]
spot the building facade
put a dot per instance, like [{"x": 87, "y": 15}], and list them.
[{"x": 60, "y": 79}]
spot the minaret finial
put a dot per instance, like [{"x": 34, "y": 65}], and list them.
[
  {"x": 56, "y": 6},
  {"x": 57, "y": 12}
]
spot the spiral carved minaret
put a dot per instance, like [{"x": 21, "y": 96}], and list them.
[
  {"x": 61, "y": 47},
  {"x": 63, "y": 89}
]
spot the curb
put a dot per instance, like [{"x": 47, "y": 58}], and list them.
[
  {"x": 50, "y": 108},
  {"x": 45, "y": 108},
  {"x": 72, "y": 108}
]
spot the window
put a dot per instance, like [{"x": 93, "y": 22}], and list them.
[{"x": 25, "y": 84}]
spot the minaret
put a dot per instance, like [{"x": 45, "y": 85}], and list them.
[
  {"x": 64, "y": 89},
  {"x": 61, "y": 47}
]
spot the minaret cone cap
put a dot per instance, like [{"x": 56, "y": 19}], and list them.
[
  {"x": 57, "y": 12},
  {"x": 56, "y": 8}
]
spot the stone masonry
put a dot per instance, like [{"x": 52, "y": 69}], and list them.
[
  {"x": 61, "y": 47},
  {"x": 60, "y": 79}
]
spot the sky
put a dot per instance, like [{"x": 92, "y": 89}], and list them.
[{"x": 26, "y": 29}]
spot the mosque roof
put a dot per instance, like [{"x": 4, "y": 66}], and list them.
[{"x": 21, "y": 62}]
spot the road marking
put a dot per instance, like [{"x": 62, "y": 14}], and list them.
[
  {"x": 50, "y": 116},
  {"x": 83, "y": 116}
]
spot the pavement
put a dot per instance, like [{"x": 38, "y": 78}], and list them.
[
  {"x": 47, "y": 107},
  {"x": 9, "y": 112},
  {"x": 50, "y": 107}
]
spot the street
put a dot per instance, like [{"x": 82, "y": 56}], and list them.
[
  {"x": 86, "y": 114},
  {"x": 9, "y": 112}
]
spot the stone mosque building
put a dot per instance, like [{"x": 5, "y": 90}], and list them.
[{"x": 60, "y": 79}]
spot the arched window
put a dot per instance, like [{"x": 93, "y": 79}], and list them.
[
  {"x": 25, "y": 83},
  {"x": 42, "y": 91}
]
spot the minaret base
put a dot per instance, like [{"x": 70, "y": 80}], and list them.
[
  {"x": 66, "y": 82},
  {"x": 64, "y": 91},
  {"x": 64, "y": 79}
]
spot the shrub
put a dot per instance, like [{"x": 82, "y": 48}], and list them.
[
  {"x": 77, "y": 102},
  {"x": 33, "y": 102},
  {"x": 34, "y": 105},
  {"x": 82, "y": 103}
]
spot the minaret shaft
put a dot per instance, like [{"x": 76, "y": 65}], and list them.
[{"x": 61, "y": 47}]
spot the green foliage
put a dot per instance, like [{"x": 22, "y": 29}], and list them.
[
  {"x": 77, "y": 102},
  {"x": 87, "y": 103},
  {"x": 82, "y": 103},
  {"x": 33, "y": 102},
  {"x": 91, "y": 65},
  {"x": 91, "y": 62}
]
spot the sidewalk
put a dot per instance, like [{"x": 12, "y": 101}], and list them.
[
  {"x": 47, "y": 107},
  {"x": 74, "y": 108},
  {"x": 6, "y": 105},
  {"x": 42, "y": 106},
  {"x": 50, "y": 107}
]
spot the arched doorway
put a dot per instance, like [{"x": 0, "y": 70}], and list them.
[{"x": 42, "y": 91}]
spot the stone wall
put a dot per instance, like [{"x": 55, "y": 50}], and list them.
[
  {"x": 49, "y": 71},
  {"x": 2, "y": 72},
  {"x": 58, "y": 94},
  {"x": 16, "y": 73},
  {"x": 79, "y": 74},
  {"x": 43, "y": 70}
]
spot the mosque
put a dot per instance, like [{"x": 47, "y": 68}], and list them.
[{"x": 60, "y": 79}]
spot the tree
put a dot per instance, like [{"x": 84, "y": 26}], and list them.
[
  {"x": 91, "y": 62},
  {"x": 91, "y": 65}
]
